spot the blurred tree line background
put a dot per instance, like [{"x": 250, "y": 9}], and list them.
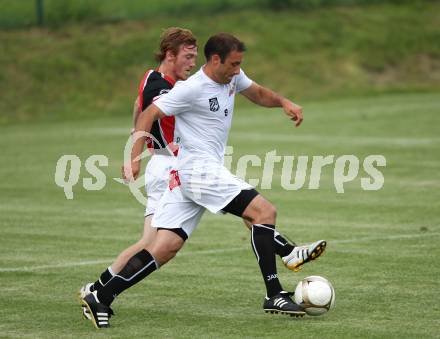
[
  {"x": 53, "y": 13},
  {"x": 87, "y": 58}
]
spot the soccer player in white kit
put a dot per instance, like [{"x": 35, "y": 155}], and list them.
[
  {"x": 177, "y": 56},
  {"x": 203, "y": 106}
]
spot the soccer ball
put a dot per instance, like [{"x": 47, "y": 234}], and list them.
[{"x": 315, "y": 294}]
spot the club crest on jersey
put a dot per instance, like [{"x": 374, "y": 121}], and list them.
[{"x": 213, "y": 105}]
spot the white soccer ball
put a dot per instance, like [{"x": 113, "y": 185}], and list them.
[{"x": 315, "y": 294}]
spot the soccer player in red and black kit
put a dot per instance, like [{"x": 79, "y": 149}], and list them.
[{"x": 177, "y": 56}]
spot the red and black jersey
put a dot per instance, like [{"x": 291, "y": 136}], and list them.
[{"x": 153, "y": 85}]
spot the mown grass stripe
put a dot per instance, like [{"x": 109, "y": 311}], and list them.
[{"x": 207, "y": 252}]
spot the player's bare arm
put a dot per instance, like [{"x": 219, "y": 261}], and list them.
[
  {"x": 136, "y": 111},
  {"x": 265, "y": 97},
  {"x": 143, "y": 124}
]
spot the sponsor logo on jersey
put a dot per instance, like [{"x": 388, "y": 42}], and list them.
[{"x": 214, "y": 105}]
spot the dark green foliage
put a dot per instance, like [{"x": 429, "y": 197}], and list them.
[
  {"x": 21, "y": 13},
  {"x": 89, "y": 70}
]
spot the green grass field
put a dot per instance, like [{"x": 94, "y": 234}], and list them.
[
  {"x": 382, "y": 253},
  {"x": 368, "y": 78}
]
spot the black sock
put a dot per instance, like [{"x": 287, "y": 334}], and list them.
[
  {"x": 263, "y": 245},
  {"x": 282, "y": 246},
  {"x": 103, "y": 279},
  {"x": 138, "y": 267}
]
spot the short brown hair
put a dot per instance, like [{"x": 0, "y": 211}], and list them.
[
  {"x": 172, "y": 38},
  {"x": 222, "y": 44}
]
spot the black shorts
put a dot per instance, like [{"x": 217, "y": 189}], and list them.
[
  {"x": 179, "y": 231},
  {"x": 240, "y": 202}
]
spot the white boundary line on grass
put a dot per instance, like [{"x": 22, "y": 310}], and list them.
[{"x": 223, "y": 250}]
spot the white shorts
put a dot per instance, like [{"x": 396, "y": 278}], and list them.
[
  {"x": 202, "y": 188},
  {"x": 157, "y": 175}
]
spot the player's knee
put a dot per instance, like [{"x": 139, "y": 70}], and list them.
[
  {"x": 171, "y": 253},
  {"x": 270, "y": 211},
  {"x": 268, "y": 214},
  {"x": 161, "y": 255},
  {"x": 164, "y": 252}
]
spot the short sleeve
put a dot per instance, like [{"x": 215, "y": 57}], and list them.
[
  {"x": 150, "y": 92},
  {"x": 243, "y": 81},
  {"x": 177, "y": 100}
]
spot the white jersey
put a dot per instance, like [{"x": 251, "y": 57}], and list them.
[{"x": 203, "y": 109}]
